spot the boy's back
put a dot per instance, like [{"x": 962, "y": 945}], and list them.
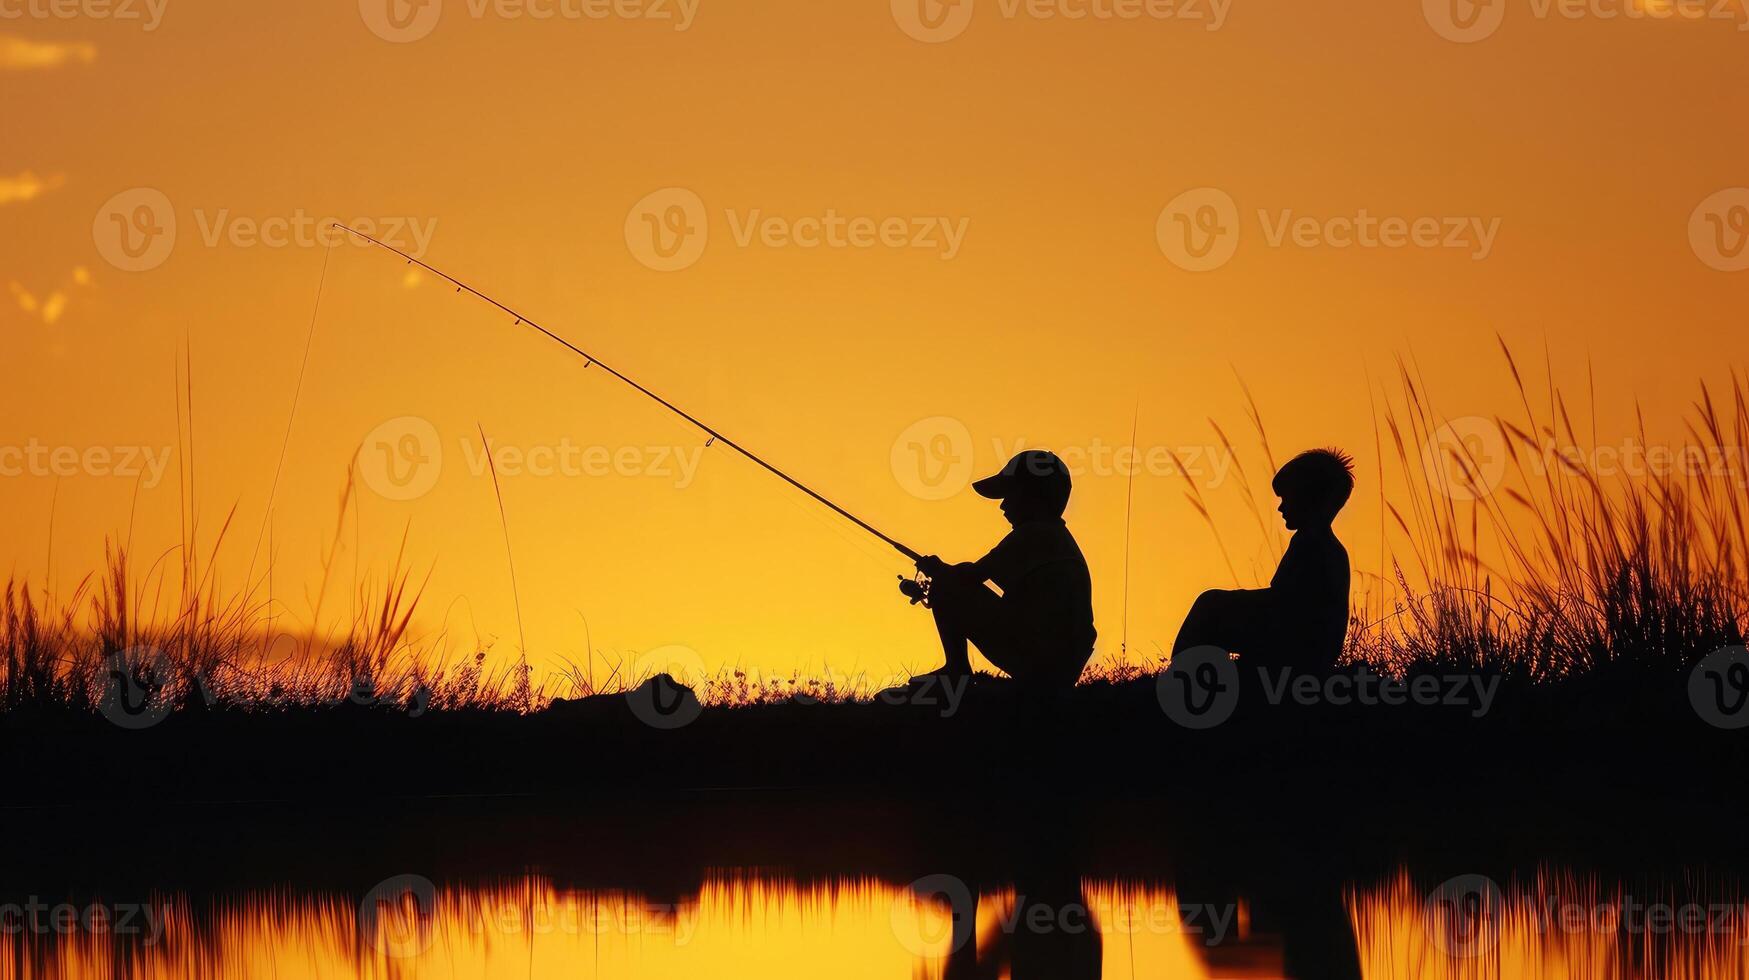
[
  {"x": 1045, "y": 582},
  {"x": 1309, "y": 594}
]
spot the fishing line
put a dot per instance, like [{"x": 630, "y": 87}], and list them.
[
  {"x": 297, "y": 391},
  {"x": 591, "y": 360}
]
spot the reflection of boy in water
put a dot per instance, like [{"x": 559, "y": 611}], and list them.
[{"x": 1049, "y": 934}]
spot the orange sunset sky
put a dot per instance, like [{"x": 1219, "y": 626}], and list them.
[{"x": 883, "y": 243}]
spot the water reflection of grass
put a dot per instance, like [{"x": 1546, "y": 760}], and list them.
[
  {"x": 1557, "y": 926},
  {"x": 1554, "y": 926}
]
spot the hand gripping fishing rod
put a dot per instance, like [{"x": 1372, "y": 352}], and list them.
[{"x": 592, "y": 360}]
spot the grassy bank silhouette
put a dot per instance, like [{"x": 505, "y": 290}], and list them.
[{"x": 1589, "y": 591}]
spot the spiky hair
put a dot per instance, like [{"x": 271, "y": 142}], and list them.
[{"x": 1324, "y": 476}]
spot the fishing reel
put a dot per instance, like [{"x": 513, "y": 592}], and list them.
[{"x": 916, "y": 589}]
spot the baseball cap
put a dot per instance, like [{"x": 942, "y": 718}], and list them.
[{"x": 1035, "y": 473}]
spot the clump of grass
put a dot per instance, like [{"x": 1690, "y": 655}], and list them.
[
  {"x": 736, "y": 688},
  {"x": 1546, "y": 565},
  {"x": 1124, "y": 669},
  {"x": 45, "y": 665}
]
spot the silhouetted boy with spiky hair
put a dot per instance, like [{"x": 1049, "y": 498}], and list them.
[{"x": 1301, "y": 620}]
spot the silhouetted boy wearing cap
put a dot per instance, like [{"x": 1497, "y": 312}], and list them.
[{"x": 1040, "y": 629}]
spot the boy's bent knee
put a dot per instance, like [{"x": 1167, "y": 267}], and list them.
[{"x": 1213, "y": 599}]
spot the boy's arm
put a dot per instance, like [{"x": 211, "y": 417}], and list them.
[
  {"x": 989, "y": 568},
  {"x": 985, "y": 569},
  {"x": 934, "y": 567}
]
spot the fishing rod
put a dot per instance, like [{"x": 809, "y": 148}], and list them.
[{"x": 590, "y": 360}]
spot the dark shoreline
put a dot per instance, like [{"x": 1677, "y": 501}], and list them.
[{"x": 1585, "y": 748}]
